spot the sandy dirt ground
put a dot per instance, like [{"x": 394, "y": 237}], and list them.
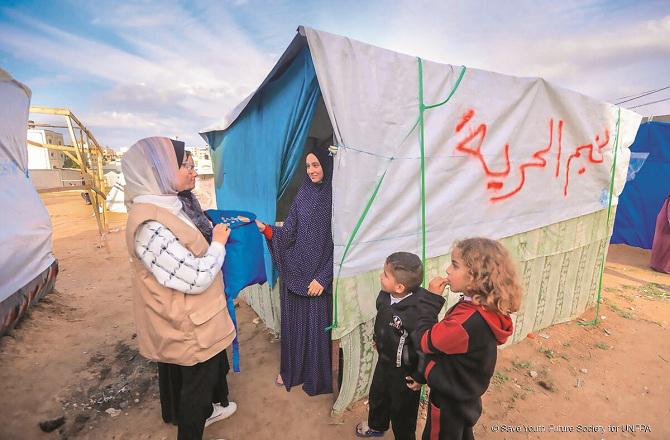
[{"x": 75, "y": 355}]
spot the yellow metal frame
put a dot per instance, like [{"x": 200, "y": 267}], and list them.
[{"x": 85, "y": 151}]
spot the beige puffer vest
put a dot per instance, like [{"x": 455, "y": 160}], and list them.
[{"x": 175, "y": 327}]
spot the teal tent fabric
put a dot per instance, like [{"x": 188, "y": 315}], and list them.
[
  {"x": 255, "y": 158},
  {"x": 647, "y": 186},
  {"x": 243, "y": 265}
]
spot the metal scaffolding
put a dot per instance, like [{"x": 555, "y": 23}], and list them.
[{"x": 85, "y": 151}]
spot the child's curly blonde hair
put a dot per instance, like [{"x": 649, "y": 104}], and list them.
[{"x": 494, "y": 282}]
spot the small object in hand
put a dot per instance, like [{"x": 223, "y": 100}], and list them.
[
  {"x": 243, "y": 219},
  {"x": 412, "y": 384}
]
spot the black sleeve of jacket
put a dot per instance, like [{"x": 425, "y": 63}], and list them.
[
  {"x": 429, "y": 307},
  {"x": 380, "y": 300},
  {"x": 417, "y": 375},
  {"x": 378, "y": 304}
]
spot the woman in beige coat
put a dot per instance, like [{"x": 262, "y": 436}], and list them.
[{"x": 178, "y": 299}]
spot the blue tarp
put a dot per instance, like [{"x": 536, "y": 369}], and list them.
[
  {"x": 256, "y": 157},
  {"x": 647, "y": 186},
  {"x": 243, "y": 265}
]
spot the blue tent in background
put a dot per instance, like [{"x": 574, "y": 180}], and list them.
[{"x": 647, "y": 186}]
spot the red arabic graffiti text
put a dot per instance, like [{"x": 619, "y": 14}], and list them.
[{"x": 471, "y": 144}]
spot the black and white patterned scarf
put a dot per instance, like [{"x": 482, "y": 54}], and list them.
[{"x": 191, "y": 207}]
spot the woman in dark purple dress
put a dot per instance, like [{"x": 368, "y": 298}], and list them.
[{"x": 302, "y": 250}]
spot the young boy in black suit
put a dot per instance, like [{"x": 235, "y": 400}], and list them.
[{"x": 394, "y": 393}]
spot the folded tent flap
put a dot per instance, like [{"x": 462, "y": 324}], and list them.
[{"x": 299, "y": 42}]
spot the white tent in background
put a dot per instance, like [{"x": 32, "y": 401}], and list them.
[
  {"x": 432, "y": 153},
  {"x": 115, "y": 199},
  {"x": 27, "y": 266}
]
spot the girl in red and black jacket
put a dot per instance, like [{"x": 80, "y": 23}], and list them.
[{"x": 462, "y": 348}]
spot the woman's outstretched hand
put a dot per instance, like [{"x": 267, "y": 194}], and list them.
[
  {"x": 220, "y": 233},
  {"x": 261, "y": 226},
  {"x": 314, "y": 288}
]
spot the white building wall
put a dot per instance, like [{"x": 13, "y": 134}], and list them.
[
  {"x": 38, "y": 158},
  {"x": 41, "y": 158}
]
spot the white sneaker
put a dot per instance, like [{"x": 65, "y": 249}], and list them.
[{"x": 221, "y": 412}]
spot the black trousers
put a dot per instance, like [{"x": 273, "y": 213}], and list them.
[
  {"x": 391, "y": 401},
  {"x": 187, "y": 393},
  {"x": 449, "y": 420}
]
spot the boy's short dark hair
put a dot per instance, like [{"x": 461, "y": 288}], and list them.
[{"x": 406, "y": 269}]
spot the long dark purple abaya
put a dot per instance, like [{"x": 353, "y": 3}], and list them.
[{"x": 302, "y": 249}]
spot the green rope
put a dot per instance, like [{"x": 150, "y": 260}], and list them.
[
  {"x": 361, "y": 218},
  {"x": 346, "y": 249},
  {"x": 458, "y": 83},
  {"x": 609, "y": 212},
  {"x": 419, "y": 122},
  {"x": 422, "y": 110}
]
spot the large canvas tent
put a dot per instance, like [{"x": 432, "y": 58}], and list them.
[
  {"x": 27, "y": 266},
  {"x": 648, "y": 185},
  {"x": 425, "y": 154}
]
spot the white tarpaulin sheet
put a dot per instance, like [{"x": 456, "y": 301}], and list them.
[
  {"x": 504, "y": 155},
  {"x": 25, "y": 227}
]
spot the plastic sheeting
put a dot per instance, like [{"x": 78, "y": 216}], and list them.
[
  {"x": 14, "y": 307},
  {"x": 549, "y": 195},
  {"x": 647, "y": 187},
  {"x": 255, "y": 158},
  {"x": 504, "y": 155},
  {"x": 25, "y": 227}
]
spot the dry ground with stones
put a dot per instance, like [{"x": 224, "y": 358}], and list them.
[{"x": 75, "y": 356}]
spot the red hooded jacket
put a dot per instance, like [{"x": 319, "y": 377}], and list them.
[{"x": 461, "y": 349}]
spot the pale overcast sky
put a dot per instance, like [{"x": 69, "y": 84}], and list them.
[{"x": 143, "y": 68}]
